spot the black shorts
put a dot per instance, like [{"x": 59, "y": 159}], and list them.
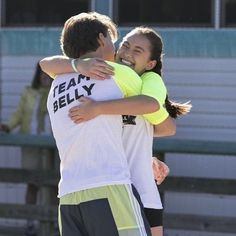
[
  {"x": 103, "y": 211},
  {"x": 154, "y": 216}
]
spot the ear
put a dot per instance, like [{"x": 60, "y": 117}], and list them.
[
  {"x": 101, "y": 39},
  {"x": 151, "y": 64}
]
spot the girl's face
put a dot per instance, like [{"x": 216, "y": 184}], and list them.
[{"x": 134, "y": 52}]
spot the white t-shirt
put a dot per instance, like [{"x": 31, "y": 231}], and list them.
[
  {"x": 138, "y": 142},
  {"x": 91, "y": 153}
]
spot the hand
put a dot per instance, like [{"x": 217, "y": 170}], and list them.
[
  {"x": 95, "y": 68},
  {"x": 4, "y": 128},
  {"x": 160, "y": 170},
  {"x": 86, "y": 110}
]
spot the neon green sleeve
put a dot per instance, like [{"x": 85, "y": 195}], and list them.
[
  {"x": 126, "y": 79},
  {"x": 53, "y": 76},
  {"x": 153, "y": 86}
]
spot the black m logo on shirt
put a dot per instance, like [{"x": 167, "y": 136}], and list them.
[{"x": 128, "y": 120}]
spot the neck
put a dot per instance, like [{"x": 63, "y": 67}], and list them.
[{"x": 93, "y": 54}]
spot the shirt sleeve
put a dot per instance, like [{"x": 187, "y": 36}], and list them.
[
  {"x": 153, "y": 86},
  {"x": 53, "y": 76},
  {"x": 126, "y": 79}
]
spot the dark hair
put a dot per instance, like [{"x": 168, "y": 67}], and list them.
[
  {"x": 80, "y": 33},
  {"x": 174, "y": 109},
  {"x": 36, "y": 83}
]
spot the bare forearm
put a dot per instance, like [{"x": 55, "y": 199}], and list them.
[
  {"x": 136, "y": 105},
  {"x": 56, "y": 65},
  {"x": 166, "y": 128}
]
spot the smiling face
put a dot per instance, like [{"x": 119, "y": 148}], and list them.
[{"x": 134, "y": 51}]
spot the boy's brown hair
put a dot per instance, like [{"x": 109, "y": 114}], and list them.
[{"x": 80, "y": 33}]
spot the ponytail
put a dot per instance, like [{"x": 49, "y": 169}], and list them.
[{"x": 176, "y": 109}]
